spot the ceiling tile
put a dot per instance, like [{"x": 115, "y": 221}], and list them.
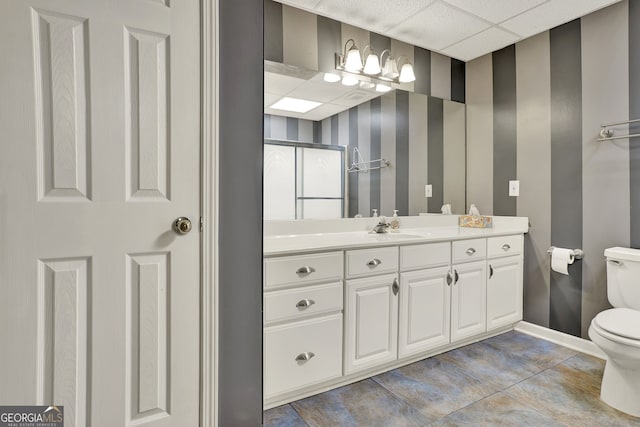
[
  {"x": 552, "y": 14},
  {"x": 374, "y": 15},
  {"x": 438, "y": 26},
  {"x": 322, "y": 92},
  {"x": 495, "y": 10},
  {"x": 487, "y": 41},
  {"x": 280, "y": 84},
  {"x": 355, "y": 97}
]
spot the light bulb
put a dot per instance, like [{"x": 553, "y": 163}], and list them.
[
  {"x": 406, "y": 74},
  {"x": 353, "y": 62},
  {"x": 372, "y": 65}
]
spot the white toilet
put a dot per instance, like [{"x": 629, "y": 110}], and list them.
[{"x": 617, "y": 331}]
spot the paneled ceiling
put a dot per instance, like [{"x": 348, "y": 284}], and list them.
[{"x": 462, "y": 29}]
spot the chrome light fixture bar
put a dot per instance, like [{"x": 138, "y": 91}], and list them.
[{"x": 384, "y": 69}]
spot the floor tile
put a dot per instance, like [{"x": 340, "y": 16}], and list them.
[
  {"x": 282, "y": 416},
  {"x": 540, "y": 354},
  {"x": 364, "y": 403},
  {"x": 569, "y": 392},
  {"x": 434, "y": 386},
  {"x": 494, "y": 367},
  {"x": 497, "y": 410}
]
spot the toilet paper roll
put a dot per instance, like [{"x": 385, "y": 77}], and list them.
[{"x": 560, "y": 260}]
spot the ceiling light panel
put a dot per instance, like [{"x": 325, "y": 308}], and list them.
[
  {"x": 482, "y": 43},
  {"x": 438, "y": 26},
  {"x": 495, "y": 10},
  {"x": 295, "y": 104},
  {"x": 375, "y": 15},
  {"x": 552, "y": 14}
]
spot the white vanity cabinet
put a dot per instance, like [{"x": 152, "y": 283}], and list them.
[
  {"x": 504, "y": 283},
  {"x": 303, "y": 302},
  {"x": 334, "y": 317},
  {"x": 425, "y": 298}
]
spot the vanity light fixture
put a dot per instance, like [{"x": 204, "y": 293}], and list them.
[
  {"x": 350, "y": 61},
  {"x": 352, "y": 58},
  {"x": 372, "y": 64},
  {"x": 389, "y": 66},
  {"x": 406, "y": 72},
  {"x": 296, "y": 105}
]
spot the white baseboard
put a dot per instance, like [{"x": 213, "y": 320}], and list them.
[{"x": 557, "y": 337}]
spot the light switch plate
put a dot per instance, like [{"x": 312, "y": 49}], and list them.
[
  {"x": 514, "y": 188},
  {"x": 428, "y": 190}
]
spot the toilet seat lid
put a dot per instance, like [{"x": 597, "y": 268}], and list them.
[{"x": 623, "y": 322}]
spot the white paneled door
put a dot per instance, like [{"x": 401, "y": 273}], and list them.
[{"x": 99, "y": 296}]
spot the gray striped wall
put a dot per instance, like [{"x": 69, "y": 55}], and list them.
[
  {"x": 296, "y": 37},
  {"x": 533, "y": 113},
  {"x": 423, "y": 138}
]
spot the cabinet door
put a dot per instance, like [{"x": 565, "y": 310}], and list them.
[
  {"x": 371, "y": 329},
  {"x": 468, "y": 300},
  {"x": 425, "y": 299},
  {"x": 504, "y": 292}
]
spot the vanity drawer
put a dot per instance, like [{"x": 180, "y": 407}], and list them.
[
  {"x": 365, "y": 262},
  {"x": 504, "y": 246},
  {"x": 300, "y": 302},
  {"x": 298, "y": 269},
  {"x": 321, "y": 341},
  {"x": 415, "y": 257},
  {"x": 469, "y": 250}
]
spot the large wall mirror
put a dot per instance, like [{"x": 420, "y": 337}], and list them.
[{"x": 411, "y": 138}]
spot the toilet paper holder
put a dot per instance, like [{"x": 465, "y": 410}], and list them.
[{"x": 577, "y": 253}]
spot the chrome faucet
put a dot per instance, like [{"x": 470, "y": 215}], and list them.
[{"x": 382, "y": 226}]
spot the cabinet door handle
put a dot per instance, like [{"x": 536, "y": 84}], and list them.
[
  {"x": 305, "y": 270},
  {"x": 305, "y": 303},
  {"x": 506, "y": 247},
  {"x": 456, "y": 276},
  {"x": 490, "y": 271},
  {"x": 615, "y": 261},
  {"x": 303, "y": 357},
  {"x": 374, "y": 262},
  {"x": 449, "y": 278},
  {"x": 395, "y": 287},
  {"x": 471, "y": 251}
]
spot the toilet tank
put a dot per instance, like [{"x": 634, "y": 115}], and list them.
[{"x": 623, "y": 277}]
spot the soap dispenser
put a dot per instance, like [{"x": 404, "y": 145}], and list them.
[
  {"x": 395, "y": 221},
  {"x": 375, "y": 213}
]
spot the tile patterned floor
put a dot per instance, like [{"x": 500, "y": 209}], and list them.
[{"x": 512, "y": 379}]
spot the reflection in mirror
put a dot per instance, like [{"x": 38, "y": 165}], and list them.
[{"x": 303, "y": 181}]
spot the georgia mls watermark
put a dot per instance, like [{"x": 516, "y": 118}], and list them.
[{"x": 31, "y": 416}]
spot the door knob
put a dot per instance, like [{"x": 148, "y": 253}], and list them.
[{"x": 182, "y": 225}]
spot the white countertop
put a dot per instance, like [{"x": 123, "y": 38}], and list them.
[{"x": 288, "y": 244}]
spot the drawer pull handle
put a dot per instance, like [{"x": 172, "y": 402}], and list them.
[
  {"x": 303, "y": 357},
  {"x": 506, "y": 247},
  {"x": 457, "y": 277},
  {"x": 615, "y": 261},
  {"x": 395, "y": 287},
  {"x": 305, "y": 303},
  {"x": 490, "y": 271},
  {"x": 305, "y": 270},
  {"x": 471, "y": 251},
  {"x": 374, "y": 262},
  {"x": 449, "y": 278}
]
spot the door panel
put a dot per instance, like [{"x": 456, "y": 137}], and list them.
[
  {"x": 468, "y": 300},
  {"x": 371, "y": 330},
  {"x": 425, "y": 300},
  {"x": 100, "y": 154},
  {"x": 504, "y": 292}
]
